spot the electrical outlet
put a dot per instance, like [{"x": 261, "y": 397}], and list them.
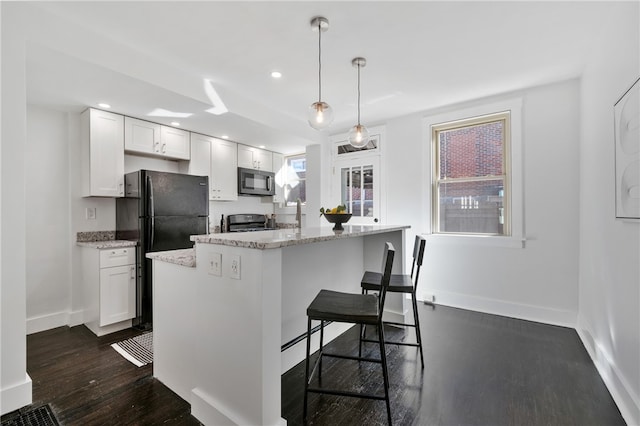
[
  {"x": 90, "y": 213},
  {"x": 235, "y": 267},
  {"x": 215, "y": 264}
]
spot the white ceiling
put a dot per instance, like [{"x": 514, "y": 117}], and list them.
[{"x": 420, "y": 55}]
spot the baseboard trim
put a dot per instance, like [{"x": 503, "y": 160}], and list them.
[
  {"x": 47, "y": 322},
  {"x": 210, "y": 412},
  {"x": 53, "y": 320},
  {"x": 628, "y": 403},
  {"x": 16, "y": 396},
  {"x": 487, "y": 305}
]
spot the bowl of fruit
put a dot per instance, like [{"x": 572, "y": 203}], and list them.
[{"x": 337, "y": 216}]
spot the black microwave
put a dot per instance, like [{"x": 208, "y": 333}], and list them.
[{"x": 256, "y": 182}]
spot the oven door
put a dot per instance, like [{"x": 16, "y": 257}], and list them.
[{"x": 255, "y": 182}]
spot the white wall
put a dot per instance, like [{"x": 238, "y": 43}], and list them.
[
  {"x": 48, "y": 214},
  {"x": 609, "y": 277},
  {"x": 15, "y": 384},
  {"x": 538, "y": 282}
]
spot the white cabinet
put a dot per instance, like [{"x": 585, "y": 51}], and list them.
[
  {"x": 217, "y": 159},
  {"x": 109, "y": 278},
  {"x": 144, "y": 137},
  {"x": 254, "y": 158},
  {"x": 224, "y": 170},
  {"x": 102, "y": 153},
  {"x": 279, "y": 169}
]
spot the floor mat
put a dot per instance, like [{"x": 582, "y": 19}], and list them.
[
  {"x": 38, "y": 416},
  {"x": 138, "y": 350}
]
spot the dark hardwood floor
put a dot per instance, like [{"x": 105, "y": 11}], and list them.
[
  {"x": 86, "y": 382},
  {"x": 479, "y": 370}
]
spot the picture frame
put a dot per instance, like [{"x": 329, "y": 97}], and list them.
[{"x": 627, "y": 153}]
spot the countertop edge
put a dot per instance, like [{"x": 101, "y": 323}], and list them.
[
  {"x": 107, "y": 244},
  {"x": 182, "y": 257},
  {"x": 244, "y": 240}
]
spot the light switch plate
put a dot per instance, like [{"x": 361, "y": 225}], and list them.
[
  {"x": 234, "y": 267},
  {"x": 215, "y": 264}
]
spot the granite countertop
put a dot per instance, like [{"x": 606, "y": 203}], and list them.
[
  {"x": 289, "y": 237},
  {"x": 184, "y": 257},
  {"x": 107, "y": 244}
]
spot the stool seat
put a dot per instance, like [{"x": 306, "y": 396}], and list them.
[
  {"x": 335, "y": 306},
  {"x": 398, "y": 283}
]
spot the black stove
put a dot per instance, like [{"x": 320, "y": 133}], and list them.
[{"x": 247, "y": 223}]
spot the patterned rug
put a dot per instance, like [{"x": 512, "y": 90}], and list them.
[{"x": 138, "y": 350}]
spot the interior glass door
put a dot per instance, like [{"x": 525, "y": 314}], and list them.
[{"x": 357, "y": 182}]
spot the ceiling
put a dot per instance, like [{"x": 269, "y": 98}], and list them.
[{"x": 421, "y": 55}]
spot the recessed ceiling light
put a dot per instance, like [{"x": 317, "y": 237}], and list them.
[
  {"x": 103, "y": 105},
  {"x": 261, "y": 146},
  {"x": 175, "y": 123},
  {"x": 276, "y": 74},
  {"x": 225, "y": 136}
]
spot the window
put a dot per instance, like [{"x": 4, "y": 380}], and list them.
[
  {"x": 471, "y": 176},
  {"x": 295, "y": 179}
]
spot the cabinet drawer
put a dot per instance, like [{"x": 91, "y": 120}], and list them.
[{"x": 117, "y": 257}]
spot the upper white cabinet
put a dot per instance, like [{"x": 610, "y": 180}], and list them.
[
  {"x": 254, "y": 158},
  {"x": 102, "y": 153},
  {"x": 217, "y": 159},
  {"x": 278, "y": 169},
  {"x": 224, "y": 169},
  {"x": 144, "y": 137}
]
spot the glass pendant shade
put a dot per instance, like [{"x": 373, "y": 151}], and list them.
[
  {"x": 320, "y": 115},
  {"x": 358, "y": 136}
]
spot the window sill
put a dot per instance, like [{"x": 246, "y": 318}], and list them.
[{"x": 476, "y": 240}]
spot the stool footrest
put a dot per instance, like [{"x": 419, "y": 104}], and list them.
[
  {"x": 353, "y": 358},
  {"x": 392, "y": 343},
  {"x": 346, "y": 393}
]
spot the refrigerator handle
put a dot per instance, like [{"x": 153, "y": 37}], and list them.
[{"x": 152, "y": 214}]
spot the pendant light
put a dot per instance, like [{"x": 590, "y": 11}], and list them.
[
  {"x": 359, "y": 135},
  {"x": 320, "y": 114}
]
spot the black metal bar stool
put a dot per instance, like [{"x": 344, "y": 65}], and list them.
[
  {"x": 399, "y": 283},
  {"x": 355, "y": 309}
]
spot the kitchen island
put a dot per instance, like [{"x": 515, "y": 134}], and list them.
[{"x": 226, "y": 327}]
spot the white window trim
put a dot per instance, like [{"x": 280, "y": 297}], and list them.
[
  {"x": 517, "y": 237},
  {"x": 283, "y": 209}
]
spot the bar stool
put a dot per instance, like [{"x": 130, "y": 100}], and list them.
[
  {"x": 355, "y": 309},
  {"x": 399, "y": 283}
]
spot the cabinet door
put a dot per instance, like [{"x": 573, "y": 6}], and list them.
[
  {"x": 117, "y": 294},
  {"x": 245, "y": 157},
  {"x": 200, "y": 163},
  {"x": 174, "y": 143},
  {"x": 279, "y": 170},
  {"x": 103, "y": 165},
  {"x": 264, "y": 160},
  {"x": 141, "y": 136},
  {"x": 224, "y": 170}
]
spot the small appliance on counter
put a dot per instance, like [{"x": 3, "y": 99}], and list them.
[{"x": 248, "y": 222}]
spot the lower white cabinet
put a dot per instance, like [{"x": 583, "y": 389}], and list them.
[{"x": 109, "y": 277}]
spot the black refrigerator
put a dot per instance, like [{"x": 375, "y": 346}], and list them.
[{"x": 160, "y": 211}]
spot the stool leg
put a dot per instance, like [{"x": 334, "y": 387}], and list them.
[
  {"x": 306, "y": 371},
  {"x": 321, "y": 349},
  {"x": 417, "y": 323},
  {"x": 362, "y": 331},
  {"x": 385, "y": 374}
]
